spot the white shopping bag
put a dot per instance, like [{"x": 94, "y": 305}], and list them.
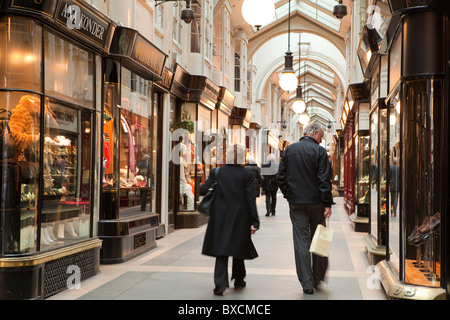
[{"x": 320, "y": 244}]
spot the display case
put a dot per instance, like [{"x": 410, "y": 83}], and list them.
[{"x": 362, "y": 169}]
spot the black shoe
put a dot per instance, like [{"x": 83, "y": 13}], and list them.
[
  {"x": 273, "y": 213},
  {"x": 267, "y": 214},
  {"x": 239, "y": 284},
  {"x": 308, "y": 291},
  {"x": 219, "y": 291}
]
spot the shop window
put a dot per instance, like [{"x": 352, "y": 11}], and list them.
[
  {"x": 20, "y": 53},
  {"x": 135, "y": 150},
  {"x": 373, "y": 178},
  {"x": 383, "y": 210},
  {"x": 421, "y": 183},
  {"x": 67, "y": 171},
  {"x": 20, "y": 124},
  {"x": 394, "y": 179},
  {"x": 68, "y": 71}
]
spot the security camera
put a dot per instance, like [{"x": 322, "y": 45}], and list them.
[
  {"x": 340, "y": 10},
  {"x": 187, "y": 15}
]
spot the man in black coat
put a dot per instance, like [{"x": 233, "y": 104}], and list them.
[
  {"x": 257, "y": 179},
  {"x": 303, "y": 177},
  {"x": 269, "y": 184},
  {"x": 233, "y": 219}
]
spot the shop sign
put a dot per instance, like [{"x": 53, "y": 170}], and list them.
[
  {"x": 166, "y": 81},
  {"x": 211, "y": 90},
  {"x": 77, "y": 17},
  {"x": 43, "y": 7},
  {"x": 148, "y": 55}
]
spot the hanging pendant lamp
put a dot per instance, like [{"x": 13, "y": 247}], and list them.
[
  {"x": 258, "y": 12},
  {"x": 299, "y": 105},
  {"x": 288, "y": 80}
]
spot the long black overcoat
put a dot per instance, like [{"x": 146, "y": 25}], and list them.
[{"x": 233, "y": 212}]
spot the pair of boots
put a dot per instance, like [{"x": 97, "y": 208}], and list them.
[{"x": 65, "y": 231}]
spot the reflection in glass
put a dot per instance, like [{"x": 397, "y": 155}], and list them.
[
  {"x": 20, "y": 124},
  {"x": 68, "y": 70},
  {"x": 67, "y": 171},
  {"x": 394, "y": 180},
  {"x": 362, "y": 165},
  {"x": 422, "y": 180},
  {"x": 20, "y": 53},
  {"x": 135, "y": 144},
  {"x": 374, "y": 173},
  {"x": 383, "y": 210}
]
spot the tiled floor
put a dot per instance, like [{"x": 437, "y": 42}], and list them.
[{"x": 176, "y": 269}]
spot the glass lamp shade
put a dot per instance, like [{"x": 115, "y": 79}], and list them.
[
  {"x": 304, "y": 118},
  {"x": 299, "y": 106},
  {"x": 288, "y": 81},
  {"x": 258, "y": 12}
]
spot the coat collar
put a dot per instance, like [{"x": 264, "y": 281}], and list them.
[{"x": 308, "y": 138}]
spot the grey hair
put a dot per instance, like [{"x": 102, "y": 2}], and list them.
[
  {"x": 311, "y": 127},
  {"x": 271, "y": 156},
  {"x": 235, "y": 154}
]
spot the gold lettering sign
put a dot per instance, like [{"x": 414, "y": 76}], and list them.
[{"x": 145, "y": 53}]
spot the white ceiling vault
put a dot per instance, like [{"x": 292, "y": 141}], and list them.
[{"x": 322, "y": 60}]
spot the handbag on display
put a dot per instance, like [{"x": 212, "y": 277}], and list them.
[
  {"x": 320, "y": 244},
  {"x": 205, "y": 205}
]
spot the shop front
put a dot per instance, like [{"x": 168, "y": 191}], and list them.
[
  {"x": 200, "y": 148},
  {"x": 177, "y": 193},
  {"x": 129, "y": 224},
  {"x": 239, "y": 122},
  {"x": 357, "y": 184},
  {"x": 409, "y": 147},
  {"x": 348, "y": 130},
  {"x": 50, "y": 109}
]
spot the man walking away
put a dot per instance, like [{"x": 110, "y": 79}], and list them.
[
  {"x": 269, "y": 184},
  {"x": 304, "y": 180}
]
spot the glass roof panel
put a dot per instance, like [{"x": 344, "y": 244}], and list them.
[{"x": 326, "y": 19}]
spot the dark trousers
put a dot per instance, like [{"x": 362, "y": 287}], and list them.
[
  {"x": 394, "y": 201},
  {"x": 271, "y": 201},
  {"x": 305, "y": 218},
  {"x": 221, "y": 271}
]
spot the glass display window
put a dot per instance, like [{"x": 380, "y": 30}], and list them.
[
  {"x": 135, "y": 152},
  {"x": 20, "y": 53},
  {"x": 394, "y": 179},
  {"x": 362, "y": 166},
  {"x": 67, "y": 167},
  {"x": 373, "y": 174},
  {"x": 69, "y": 70},
  {"x": 383, "y": 207},
  {"x": 422, "y": 180},
  {"x": 20, "y": 116}
]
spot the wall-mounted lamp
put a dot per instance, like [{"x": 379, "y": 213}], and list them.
[
  {"x": 288, "y": 80},
  {"x": 187, "y": 15}
]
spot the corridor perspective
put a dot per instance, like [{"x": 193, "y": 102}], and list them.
[
  {"x": 176, "y": 269},
  {"x": 114, "y": 113}
]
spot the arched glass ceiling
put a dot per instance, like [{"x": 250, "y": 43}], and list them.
[{"x": 319, "y": 10}]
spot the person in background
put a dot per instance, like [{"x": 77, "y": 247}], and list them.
[
  {"x": 269, "y": 172},
  {"x": 257, "y": 179},
  {"x": 304, "y": 180},
  {"x": 233, "y": 219}
]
